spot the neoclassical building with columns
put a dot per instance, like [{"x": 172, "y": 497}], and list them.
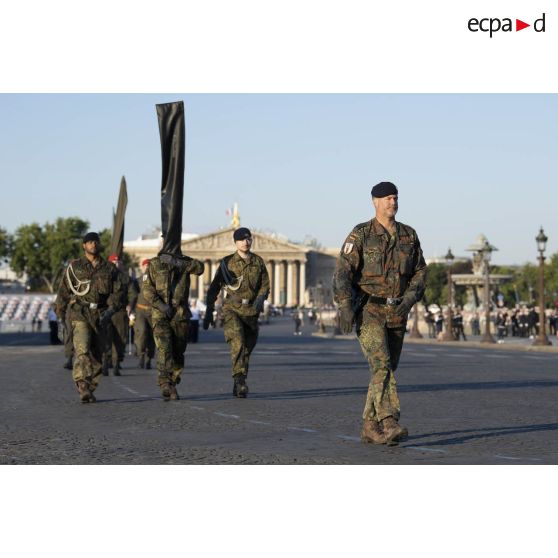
[{"x": 300, "y": 275}]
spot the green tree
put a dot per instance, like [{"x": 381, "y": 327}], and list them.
[
  {"x": 436, "y": 281},
  {"x": 5, "y": 243},
  {"x": 42, "y": 252}
]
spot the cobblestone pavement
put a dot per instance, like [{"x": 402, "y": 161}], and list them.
[{"x": 462, "y": 406}]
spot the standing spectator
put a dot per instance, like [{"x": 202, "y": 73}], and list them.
[
  {"x": 297, "y": 317},
  {"x": 429, "y": 319},
  {"x": 33, "y": 324},
  {"x": 39, "y": 324},
  {"x": 194, "y": 322},
  {"x": 458, "y": 330},
  {"x": 439, "y": 324},
  {"x": 501, "y": 325},
  {"x": 53, "y": 325},
  {"x": 475, "y": 324}
]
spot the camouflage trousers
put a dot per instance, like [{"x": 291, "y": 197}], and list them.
[
  {"x": 143, "y": 330},
  {"x": 171, "y": 337},
  {"x": 89, "y": 346},
  {"x": 381, "y": 334},
  {"x": 241, "y": 333}
]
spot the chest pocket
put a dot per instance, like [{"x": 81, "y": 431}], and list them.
[
  {"x": 103, "y": 283},
  {"x": 406, "y": 256},
  {"x": 373, "y": 265}
]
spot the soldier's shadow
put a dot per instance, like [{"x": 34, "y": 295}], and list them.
[{"x": 455, "y": 437}]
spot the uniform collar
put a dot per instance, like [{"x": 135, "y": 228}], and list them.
[
  {"x": 239, "y": 258},
  {"x": 379, "y": 229}
]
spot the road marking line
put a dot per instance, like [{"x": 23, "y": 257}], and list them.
[
  {"x": 259, "y": 422},
  {"x": 517, "y": 458},
  {"x": 422, "y": 448},
  {"x": 225, "y": 415},
  {"x": 128, "y": 389},
  {"x": 301, "y": 429},
  {"x": 197, "y": 408}
]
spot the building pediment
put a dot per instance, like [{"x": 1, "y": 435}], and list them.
[{"x": 222, "y": 241}]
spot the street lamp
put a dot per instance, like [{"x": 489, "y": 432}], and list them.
[
  {"x": 541, "y": 338},
  {"x": 486, "y": 252},
  {"x": 448, "y": 334}
]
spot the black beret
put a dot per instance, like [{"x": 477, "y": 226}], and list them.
[
  {"x": 242, "y": 233},
  {"x": 384, "y": 189},
  {"x": 90, "y": 236}
]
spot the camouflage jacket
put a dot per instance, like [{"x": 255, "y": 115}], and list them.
[
  {"x": 164, "y": 284},
  {"x": 251, "y": 274},
  {"x": 106, "y": 290},
  {"x": 128, "y": 294},
  {"x": 373, "y": 261}
]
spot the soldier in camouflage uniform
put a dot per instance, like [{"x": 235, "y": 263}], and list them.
[
  {"x": 143, "y": 325},
  {"x": 91, "y": 292},
  {"x": 118, "y": 327},
  {"x": 380, "y": 274},
  {"x": 165, "y": 288},
  {"x": 246, "y": 281}
]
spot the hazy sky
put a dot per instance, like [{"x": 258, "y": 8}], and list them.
[{"x": 296, "y": 164}]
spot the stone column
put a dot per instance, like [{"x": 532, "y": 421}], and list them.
[
  {"x": 289, "y": 298},
  {"x": 269, "y": 267},
  {"x": 214, "y": 267},
  {"x": 302, "y": 284},
  {"x": 201, "y": 287},
  {"x": 276, "y": 283}
]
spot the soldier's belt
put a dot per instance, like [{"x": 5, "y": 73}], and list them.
[
  {"x": 388, "y": 301},
  {"x": 143, "y": 306},
  {"x": 91, "y": 305},
  {"x": 244, "y": 301}
]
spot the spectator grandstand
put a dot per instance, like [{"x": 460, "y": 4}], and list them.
[{"x": 17, "y": 312}]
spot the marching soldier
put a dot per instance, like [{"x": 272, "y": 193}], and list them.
[
  {"x": 91, "y": 292},
  {"x": 143, "y": 325},
  {"x": 165, "y": 288},
  {"x": 118, "y": 327},
  {"x": 380, "y": 274},
  {"x": 244, "y": 277}
]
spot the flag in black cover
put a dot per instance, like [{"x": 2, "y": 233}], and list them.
[{"x": 173, "y": 146}]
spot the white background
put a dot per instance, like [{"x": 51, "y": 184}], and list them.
[{"x": 249, "y": 46}]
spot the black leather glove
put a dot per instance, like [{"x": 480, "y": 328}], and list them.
[
  {"x": 404, "y": 307},
  {"x": 346, "y": 318},
  {"x": 106, "y": 315},
  {"x": 168, "y": 310},
  {"x": 208, "y": 318},
  {"x": 259, "y": 303},
  {"x": 174, "y": 261}
]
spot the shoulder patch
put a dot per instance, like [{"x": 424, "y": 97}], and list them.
[
  {"x": 348, "y": 247},
  {"x": 145, "y": 277}
]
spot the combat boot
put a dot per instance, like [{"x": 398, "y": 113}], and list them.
[
  {"x": 148, "y": 364},
  {"x": 372, "y": 433},
  {"x": 116, "y": 369},
  {"x": 392, "y": 431},
  {"x": 141, "y": 363},
  {"x": 166, "y": 391},
  {"x": 83, "y": 390},
  {"x": 68, "y": 365},
  {"x": 173, "y": 393},
  {"x": 240, "y": 389}
]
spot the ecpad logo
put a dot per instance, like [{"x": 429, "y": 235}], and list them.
[{"x": 492, "y": 25}]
